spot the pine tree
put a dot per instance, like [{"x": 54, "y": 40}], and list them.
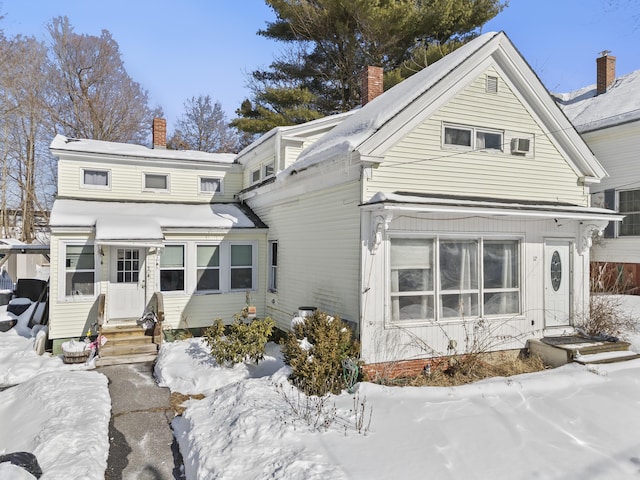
[{"x": 329, "y": 42}]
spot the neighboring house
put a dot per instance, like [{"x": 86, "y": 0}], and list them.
[
  {"x": 453, "y": 208},
  {"x": 607, "y": 115}
]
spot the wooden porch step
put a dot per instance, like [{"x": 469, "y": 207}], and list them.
[
  {"x": 125, "y": 359},
  {"x": 128, "y": 341}
]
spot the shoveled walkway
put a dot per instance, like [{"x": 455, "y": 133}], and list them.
[{"x": 142, "y": 442}]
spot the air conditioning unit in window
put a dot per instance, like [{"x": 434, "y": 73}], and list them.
[{"x": 520, "y": 145}]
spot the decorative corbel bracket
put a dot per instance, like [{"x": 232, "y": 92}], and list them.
[
  {"x": 379, "y": 225},
  {"x": 587, "y": 230}
]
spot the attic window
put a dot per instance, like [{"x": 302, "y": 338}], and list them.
[
  {"x": 492, "y": 84},
  {"x": 472, "y": 138},
  {"x": 269, "y": 169},
  {"x": 255, "y": 176}
]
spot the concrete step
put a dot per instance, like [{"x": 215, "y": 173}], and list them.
[
  {"x": 557, "y": 351},
  {"x": 605, "y": 357}
]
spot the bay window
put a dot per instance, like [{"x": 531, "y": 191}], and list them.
[{"x": 443, "y": 278}]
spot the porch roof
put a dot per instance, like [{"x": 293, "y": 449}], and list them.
[
  {"x": 118, "y": 223},
  {"x": 488, "y": 206}
]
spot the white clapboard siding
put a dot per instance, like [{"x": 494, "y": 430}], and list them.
[
  {"x": 382, "y": 341},
  {"x": 127, "y": 181},
  {"x": 182, "y": 310},
  {"x": 419, "y": 163},
  {"x": 318, "y": 252},
  {"x": 617, "y": 149}
]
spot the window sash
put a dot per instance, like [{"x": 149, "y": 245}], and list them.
[
  {"x": 269, "y": 169},
  {"x": 210, "y": 185},
  {"x": 95, "y": 178},
  {"x": 473, "y": 138},
  {"x": 629, "y": 204},
  {"x": 153, "y": 181},
  {"x": 207, "y": 268},
  {"x": 273, "y": 266},
  {"x": 241, "y": 267},
  {"x": 255, "y": 176},
  {"x": 172, "y": 268},
  {"x": 475, "y": 277},
  {"x": 79, "y": 270}
]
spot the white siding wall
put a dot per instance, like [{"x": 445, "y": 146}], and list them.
[
  {"x": 182, "y": 310},
  {"x": 618, "y": 149},
  {"x": 383, "y": 342},
  {"x": 127, "y": 181},
  {"x": 419, "y": 163},
  {"x": 318, "y": 252}
]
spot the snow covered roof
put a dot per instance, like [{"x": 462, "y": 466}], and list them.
[
  {"x": 62, "y": 144},
  {"x": 120, "y": 222},
  {"x": 347, "y": 136},
  {"x": 619, "y": 104},
  {"x": 374, "y": 128}
]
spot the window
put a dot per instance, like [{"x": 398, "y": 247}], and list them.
[
  {"x": 208, "y": 268},
  {"x": 412, "y": 283},
  {"x": 95, "y": 178},
  {"x": 241, "y": 266},
  {"x": 629, "y": 204},
  {"x": 255, "y": 176},
  {"x": 492, "y": 84},
  {"x": 210, "y": 185},
  {"x": 79, "y": 270},
  {"x": 172, "y": 268},
  {"x": 128, "y": 266},
  {"x": 154, "y": 181},
  {"x": 446, "y": 279},
  {"x": 473, "y": 138},
  {"x": 273, "y": 266},
  {"x": 269, "y": 169}
]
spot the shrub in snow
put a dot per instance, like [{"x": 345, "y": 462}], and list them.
[
  {"x": 240, "y": 341},
  {"x": 315, "y": 349}
]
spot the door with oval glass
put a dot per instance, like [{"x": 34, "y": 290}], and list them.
[
  {"x": 127, "y": 284},
  {"x": 557, "y": 283}
]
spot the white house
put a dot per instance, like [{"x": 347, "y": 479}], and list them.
[
  {"x": 607, "y": 115},
  {"x": 453, "y": 208},
  {"x": 130, "y": 221}
]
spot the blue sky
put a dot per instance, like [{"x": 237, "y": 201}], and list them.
[{"x": 179, "y": 49}]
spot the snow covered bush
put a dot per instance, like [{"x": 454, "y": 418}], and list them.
[
  {"x": 315, "y": 349},
  {"x": 240, "y": 341}
]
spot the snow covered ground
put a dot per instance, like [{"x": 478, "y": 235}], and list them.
[{"x": 573, "y": 422}]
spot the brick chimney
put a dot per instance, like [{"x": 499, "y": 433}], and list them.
[
  {"x": 606, "y": 71},
  {"x": 371, "y": 84},
  {"x": 159, "y": 133}
]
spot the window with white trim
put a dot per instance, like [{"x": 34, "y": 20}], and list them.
[
  {"x": 255, "y": 176},
  {"x": 172, "y": 268},
  {"x": 210, "y": 185},
  {"x": 80, "y": 271},
  {"x": 629, "y": 204},
  {"x": 268, "y": 169},
  {"x": 208, "y": 268},
  {"x": 156, "y": 181},
  {"x": 96, "y": 178},
  {"x": 443, "y": 278},
  {"x": 241, "y": 267},
  {"x": 473, "y": 138},
  {"x": 273, "y": 266}
]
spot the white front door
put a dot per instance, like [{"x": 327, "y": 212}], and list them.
[
  {"x": 557, "y": 284},
  {"x": 126, "y": 298}
]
